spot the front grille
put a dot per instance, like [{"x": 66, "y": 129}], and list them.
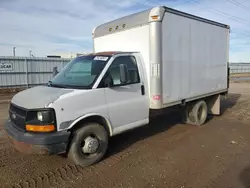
[{"x": 17, "y": 116}]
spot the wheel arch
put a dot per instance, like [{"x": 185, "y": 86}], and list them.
[{"x": 94, "y": 118}]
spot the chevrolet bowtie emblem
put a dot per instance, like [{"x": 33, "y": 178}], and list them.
[{"x": 13, "y": 116}]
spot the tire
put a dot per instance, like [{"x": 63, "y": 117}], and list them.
[
  {"x": 196, "y": 114},
  {"x": 76, "y": 153},
  {"x": 187, "y": 116}
]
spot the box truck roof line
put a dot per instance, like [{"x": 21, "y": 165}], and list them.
[
  {"x": 177, "y": 12},
  {"x": 143, "y": 18}
]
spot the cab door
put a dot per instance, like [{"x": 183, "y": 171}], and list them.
[{"x": 127, "y": 103}]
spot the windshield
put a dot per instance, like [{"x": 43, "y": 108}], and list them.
[{"x": 81, "y": 72}]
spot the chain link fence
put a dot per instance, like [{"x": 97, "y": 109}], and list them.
[
  {"x": 24, "y": 72},
  {"x": 238, "y": 68}
]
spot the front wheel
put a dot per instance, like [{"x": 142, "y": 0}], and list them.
[{"x": 89, "y": 144}]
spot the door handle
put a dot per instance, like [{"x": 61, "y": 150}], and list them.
[{"x": 142, "y": 89}]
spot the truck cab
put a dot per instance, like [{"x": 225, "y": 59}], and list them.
[{"x": 92, "y": 98}]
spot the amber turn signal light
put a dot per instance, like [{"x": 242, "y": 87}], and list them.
[
  {"x": 156, "y": 17},
  {"x": 40, "y": 128}
]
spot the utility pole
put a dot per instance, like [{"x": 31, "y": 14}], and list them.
[{"x": 14, "y": 51}]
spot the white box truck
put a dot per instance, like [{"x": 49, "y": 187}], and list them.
[{"x": 142, "y": 64}]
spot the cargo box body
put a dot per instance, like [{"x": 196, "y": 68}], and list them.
[{"x": 186, "y": 57}]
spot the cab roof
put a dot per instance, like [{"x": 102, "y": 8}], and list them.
[{"x": 108, "y": 53}]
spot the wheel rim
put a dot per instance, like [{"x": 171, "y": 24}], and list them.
[{"x": 90, "y": 145}]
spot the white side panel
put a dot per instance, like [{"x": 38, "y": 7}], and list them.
[
  {"x": 132, "y": 40},
  {"x": 194, "y": 58},
  {"x": 79, "y": 103}
]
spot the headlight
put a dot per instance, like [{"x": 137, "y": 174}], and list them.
[
  {"x": 41, "y": 120},
  {"x": 40, "y": 116},
  {"x": 45, "y": 116}
]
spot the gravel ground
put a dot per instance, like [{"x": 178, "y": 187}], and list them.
[{"x": 164, "y": 153}]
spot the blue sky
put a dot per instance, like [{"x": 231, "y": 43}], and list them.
[{"x": 64, "y": 26}]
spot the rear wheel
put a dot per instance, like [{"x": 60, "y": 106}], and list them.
[
  {"x": 196, "y": 113},
  {"x": 89, "y": 144}
]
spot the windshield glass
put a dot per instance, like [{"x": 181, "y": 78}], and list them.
[{"x": 81, "y": 72}]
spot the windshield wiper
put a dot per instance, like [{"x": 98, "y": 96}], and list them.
[{"x": 51, "y": 84}]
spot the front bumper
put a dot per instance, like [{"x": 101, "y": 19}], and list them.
[{"x": 37, "y": 143}]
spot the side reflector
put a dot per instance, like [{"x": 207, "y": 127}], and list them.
[
  {"x": 157, "y": 97},
  {"x": 38, "y": 128}
]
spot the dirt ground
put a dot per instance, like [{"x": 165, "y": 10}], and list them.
[
  {"x": 164, "y": 153},
  {"x": 240, "y": 75}
]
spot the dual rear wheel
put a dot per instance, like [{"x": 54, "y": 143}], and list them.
[{"x": 195, "y": 113}]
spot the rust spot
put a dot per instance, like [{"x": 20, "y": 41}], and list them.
[
  {"x": 22, "y": 147},
  {"x": 110, "y": 53},
  {"x": 29, "y": 148}
]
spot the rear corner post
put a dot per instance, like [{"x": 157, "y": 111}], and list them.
[{"x": 155, "y": 56}]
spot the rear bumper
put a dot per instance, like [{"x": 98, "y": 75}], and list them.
[{"x": 37, "y": 143}]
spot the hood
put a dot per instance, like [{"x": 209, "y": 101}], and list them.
[{"x": 38, "y": 97}]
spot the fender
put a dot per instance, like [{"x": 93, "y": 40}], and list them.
[{"x": 109, "y": 126}]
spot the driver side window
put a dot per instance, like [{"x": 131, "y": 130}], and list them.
[{"x": 113, "y": 74}]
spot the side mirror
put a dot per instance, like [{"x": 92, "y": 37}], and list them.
[
  {"x": 55, "y": 71},
  {"x": 123, "y": 73},
  {"x": 108, "y": 82}
]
